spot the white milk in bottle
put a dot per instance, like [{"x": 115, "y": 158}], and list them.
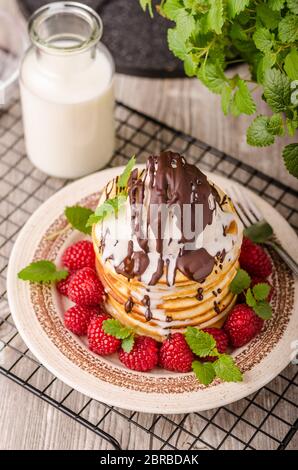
[{"x": 67, "y": 92}]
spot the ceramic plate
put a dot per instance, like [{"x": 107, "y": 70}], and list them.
[{"x": 38, "y": 313}]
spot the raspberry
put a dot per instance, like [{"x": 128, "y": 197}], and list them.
[
  {"x": 77, "y": 319},
  {"x": 85, "y": 288},
  {"x": 100, "y": 342},
  {"x": 143, "y": 356},
  {"x": 254, "y": 259},
  {"x": 222, "y": 342},
  {"x": 242, "y": 325},
  {"x": 175, "y": 354},
  {"x": 78, "y": 256},
  {"x": 62, "y": 286}
]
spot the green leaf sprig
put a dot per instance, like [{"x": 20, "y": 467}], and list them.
[
  {"x": 209, "y": 35},
  {"x": 202, "y": 345},
  {"x": 114, "y": 328},
  {"x": 42, "y": 271},
  {"x": 113, "y": 205}
]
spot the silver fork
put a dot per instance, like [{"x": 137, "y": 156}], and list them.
[{"x": 249, "y": 214}]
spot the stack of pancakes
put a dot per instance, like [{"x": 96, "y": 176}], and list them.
[{"x": 161, "y": 308}]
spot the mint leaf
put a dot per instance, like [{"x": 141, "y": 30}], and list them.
[
  {"x": 261, "y": 290},
  {"x": 258, "y": 134},
  {"x": 277, "y": 90},
  {"x": 263, "y": 39},
  {"x": 288, "y": 28},
  {"x": 177, "y": 44},
  {"x": 237, "y": 32},
  {"x": 291, "y": 126},
  {"x": 147, "y": 3},
  {"x": 243, "y": 99},
  {"x": 290, "y": 156},
  {"x": 293, "y": 6},
  {"x": 42, "y": 271},
  {"x": 215, "y": 18},
  {"x": 190, "y": 67},
  {"x": 78, "y": 217},
  {"x": 204, "y": 371},
  {"x": 291, "y": 64},
  {"x": 109, "y": 207},
  {"x": 249, "y": 298},
  {"x": 277, "y": 5},
  {"x": 269, "y": 18},
  {"x": 236, "y": 6},
  {"x": 275, "y": 125},
  {"x": 114, "y": 328},
  {"x": 185, "y": 24},
  {"x": 211, "y": 74},
  {"x": 263, "y": 309},
  {"x": 200, "y": 343},
  {"x": 240, "y": 282},
  {"x": 226, "y": 98},
  {"x": 128, "y": 343},
  {"x": 226, "y": 369},
  {"x": 123, "y": 179},
  {"x": 259, "y": 232},
  {"x": 172, "y": 8}
]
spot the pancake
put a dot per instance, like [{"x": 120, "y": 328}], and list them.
[{"x": 160, "y": 283}]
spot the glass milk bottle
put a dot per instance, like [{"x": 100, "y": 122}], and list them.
[{"x": 67, "y": 92}]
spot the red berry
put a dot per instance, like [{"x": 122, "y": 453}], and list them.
[
  {"x": 62, "y": 286},
  {"x": 100, "y": 342},
  {"x": 78, "y": 256},
  {"x": 85, "y": 288},
  {"x": 175, "y": 354},
  {"x": 222, "y": 342},
  {"x": 254, "y": 259},
  {"x": 77, "y": 319},
  {"x": 242, "y": 325},
  {"x": 143, "y": 356}
]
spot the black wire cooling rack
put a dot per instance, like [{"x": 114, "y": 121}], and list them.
[{"x": 264, "y": 420}]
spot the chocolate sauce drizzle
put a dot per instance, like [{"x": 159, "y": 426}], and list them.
[
  {"x": 128, "y": 306},
  {"x": 172, "y": 181},
  {"x": 146, "y": 303}
]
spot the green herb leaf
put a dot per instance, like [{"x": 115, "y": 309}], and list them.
[
  {"x": 185, "y": 24},
  {"x": 263, "y": 39},
  {"x": 177, "y": 44},
  {"x": 190, "y": 67},
  {"x": 236, "y": 6},
  {"x": 259, "y": 232},
  {"x": 109, "y": 207},
  {"x": 243, "y": 99},
  {"x": 240, "y": 282},
  {"x": 212, "y": 75},
  {"x": 277, "y": 5},
  {"x": 258, "y": 134},
  {"x": 293, "y": 6},
  {"x": 226, "y": 98},
  {"x": 263, "y": 309},
  {"x": 42, "y": 271},
  {"x": 249, "y": 298},
  {"x": 277, "y": 90},
  {"x": 172, "y": 8},
  {"x": 78, "y": 217},
  {"x": 269, "y": 18},
  {"x": 128, "y": 343},
  {"x": 204, "y": 371},
  {"x": 275, "y": 125},
  {"x": 288, "y": 28},
  {"x": 200, "y": 343},
  {"x": 123, "y": 179},
  {"x": 290, "y": 156},
  {"x": 114, "y": 328},
  {"x": 226, "y": 369},
  {"x": 145, "y": 4},
  {"x": 291, "y": 64},
  {"x": 261, "y": 290},
  {"x": 215, "y": 17}
]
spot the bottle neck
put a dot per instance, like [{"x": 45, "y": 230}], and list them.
[{"x": 66, "y": 63}]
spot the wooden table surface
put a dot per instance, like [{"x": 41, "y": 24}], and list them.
[{"x": 26, "y": 421}]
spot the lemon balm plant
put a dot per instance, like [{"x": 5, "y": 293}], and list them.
[{"x": 209, "y": 35}]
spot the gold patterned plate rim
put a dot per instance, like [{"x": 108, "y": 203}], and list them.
[{"x": 38, "y": 314}]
